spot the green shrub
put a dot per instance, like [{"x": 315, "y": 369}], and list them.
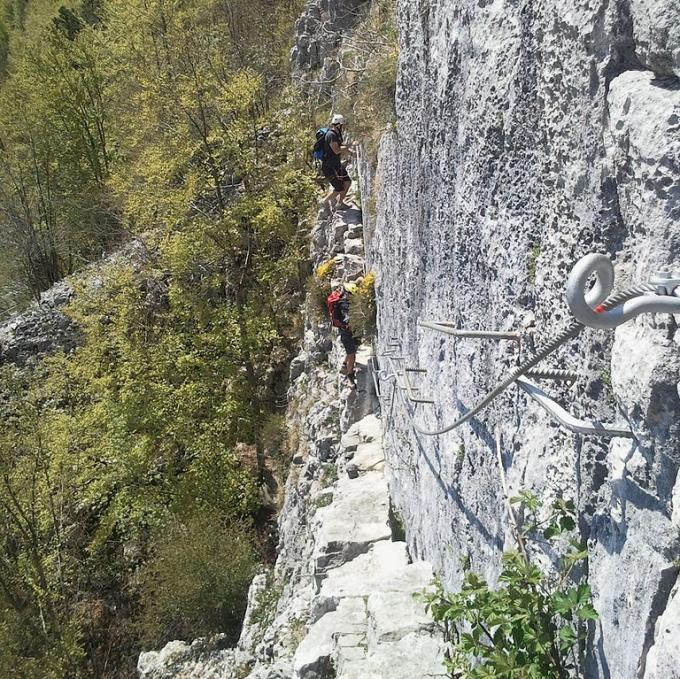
[
  {"x": 160, "y": 412},
  {"x": 325, "y": 270},
  {"x": 196, "y": 583},
  {"x": 363, "y": 309},
  {"x": 317, "y": 292},
  {"x": 330, "y": 474},
  {"x": 322, "y": 500},
  {"x": 4, "y": 46},
  {"x": 533, "y": 624},
  {"x": 274, "y": 435}
]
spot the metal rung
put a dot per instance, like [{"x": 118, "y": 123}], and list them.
[
  {"x": 566, "y": 419},
  {"x": 413, "y": 399},
  {"x": 448, "y": 329},
  {"x": 411, "y": 395},
  {"x": 415, "y": 370}
]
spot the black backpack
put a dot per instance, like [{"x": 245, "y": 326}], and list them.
[{"x": 319, "y": 151}]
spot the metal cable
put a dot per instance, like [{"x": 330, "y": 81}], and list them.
[
  {"x": 553, "y": 374},
  {"x": 477, "y": 334},
  {"x": 586, "y": 307},
  {"x": 552, "y": 345}
]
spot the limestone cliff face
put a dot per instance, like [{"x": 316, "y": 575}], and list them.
[{"x": 529, "y": 134}]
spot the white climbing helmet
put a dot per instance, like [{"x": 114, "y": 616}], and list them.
[{"x": 338, "y": 119}]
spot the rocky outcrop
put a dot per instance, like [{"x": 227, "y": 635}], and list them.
[
  {"x": 528, "y": 135},
  {"x": 339, "y": 601},
  {"x": 40, "y": 330},
  {"x": 44, "y": 327},
  {"x": 320, "y": 35}
]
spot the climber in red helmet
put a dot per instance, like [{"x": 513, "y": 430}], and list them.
[{"x": 338, "y": 309}]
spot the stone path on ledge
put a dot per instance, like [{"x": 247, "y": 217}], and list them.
[{"x": 365, "y": 622}]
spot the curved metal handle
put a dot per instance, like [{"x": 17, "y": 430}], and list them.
[
  {"x": 585, "y": 306},
  {"x": 566, "y": 419}
]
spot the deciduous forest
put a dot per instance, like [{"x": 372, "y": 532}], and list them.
[{"x": 131, "y": 469}]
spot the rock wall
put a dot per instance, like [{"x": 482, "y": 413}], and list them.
[
  {"x": 529, "y": 134},
  {"x": 40, "y": 330},
  {"x": 320, "y": 37}
]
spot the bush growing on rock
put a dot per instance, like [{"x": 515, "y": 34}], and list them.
[
  {"x": 533, "y": 623},
  {"x": 363, "y": 309},
  {"x": 372, "y": 85},
  {"x": 196, "y": 582},
  {"x": 317, "y": 290}
]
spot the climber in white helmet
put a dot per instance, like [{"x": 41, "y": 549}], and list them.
[{"x": 331, "y": 165}]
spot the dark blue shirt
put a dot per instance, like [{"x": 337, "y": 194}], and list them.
[
  {"x": 330, "y": 158},
  {"x": 341, "y": 310}
]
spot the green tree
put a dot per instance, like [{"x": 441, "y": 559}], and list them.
[
  {"x": 4, "y": 47},
  {"x": 197, "y": 581},
  {"x": 37, "y": 572},
  {"x": 54, "y": 158},
  {"x": 138, "y": 459}
]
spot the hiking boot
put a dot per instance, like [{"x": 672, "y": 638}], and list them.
[
  {"x": 352, "y": 378},
  {"x": 343, "y": 206}
]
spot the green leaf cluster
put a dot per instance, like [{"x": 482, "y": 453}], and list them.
[{"x": 532, "y": 624}]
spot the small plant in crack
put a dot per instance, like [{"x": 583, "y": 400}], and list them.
[
  {"x": 533, "y": 624},
  {"x": 534, "y": 254},
  {"x": 329, "y": 475}
]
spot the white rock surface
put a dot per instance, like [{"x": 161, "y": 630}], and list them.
[
  {"x": 356, "y": 518},
  {"x": 528, "y": 135},
  {"x": 199, "y": 660},
  {"x": 385, "y": 568},
  {"x": 663, "y": 659},
  {"x": 314, "y": 656},
  {"x": 656, "y": 30},
  {"x": 414, "y": 653}
]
